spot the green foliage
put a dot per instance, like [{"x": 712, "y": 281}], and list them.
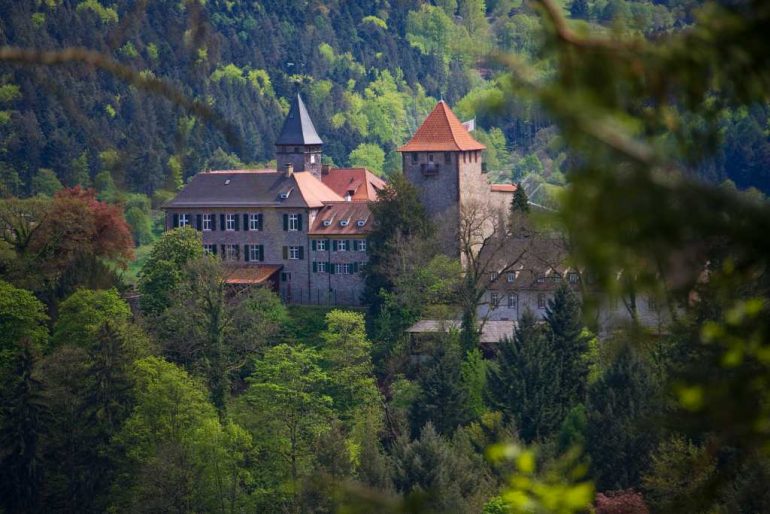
[
  {"x": 105, "y": 14},
  {"x": 369, "y": 156},
  {"x": 474, "y": 378},
  {"x": 23, "y": 318},
  {"x": 84, "y": 313},
  {"x": 45, "y": 182},
  {"x": 162, "y": 269}
]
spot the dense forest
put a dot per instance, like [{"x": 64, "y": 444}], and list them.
[{"x": 133, "y": 378}]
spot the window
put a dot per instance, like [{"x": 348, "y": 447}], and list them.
[
  {"x": 342, "y": 269},
  {"x": 210, "y": 249},
  {"x": 430, "y": 157},
  {"x": 541, "y": 301},
  {"x": 573, "y": 277},
  {"x": 342, "y": 245},
  {"x": 494, "y": 300},
  {"x": 513, "y": 301},
  {"x": 320, "y": 245},
  {"x": 254, "y": 253},
  {"x": 555, "y": 277},
  {"x": 229, "y": 222},
  {"x": 285, "y": 276},
  {"x": 206, "y": 220},
  {"x": 231, "y": 252},
  {"x": 414, "y": 157},
  {"x": 362, "y": 245},
  {"x": 312, "y": 158},
  {"x": 321, "y": 267},
  {"x": 493, "y": 276},
  {"x": 511, "y": 277},
  {"x": 652, "y": 303},
  {"x": 540, "y": 278},
  {"x": 293, "y": 222},
  {"x": 294, "y": 253},
  {"x": 184, "y": 220},
  {"x": 447, "y": 157},
  {"x": 254, "y": 222}
]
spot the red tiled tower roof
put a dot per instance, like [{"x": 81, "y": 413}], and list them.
[{"x": 441, "y": 132}]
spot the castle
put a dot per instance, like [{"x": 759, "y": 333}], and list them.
[{"x": 302, "y": 228}]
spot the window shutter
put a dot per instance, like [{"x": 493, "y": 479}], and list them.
[
  {"x": 315, "y": 267},
  {"x": 313, "y": 245},
  {"x": 246, "y": 222},
  {"x": 175, "y": 222},
  {"x": 199, "y": 222},
  {"x": 246, "y": 253},
  {"x": 261, "y": 251},
  {"x": 259, "y": 221},
  {"x": 237, "y": 252},
  {"x": 285, "y": 252},
  {"x": 299, "y": 222},
  {"x": 302, "y": 253},
  {"x": 222, "y": 221},
  {"x": 334, "y": 245},
  {"x": 285, "y": 222},
  {"x": 355, "y": 267},
  {"x": 236, "y": 220},
  {"x": 214, "y": 249},
  {"x": 331, "y": 268},
  {"x": 213, "y": 222},
  {"x": 222, "y": 248}
]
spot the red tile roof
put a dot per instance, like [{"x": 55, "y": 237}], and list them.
[
  {"x": 252, "y": 274},
  {"x": 315, "y": 192},
  {"x": 342, "y": 218},
  {"x": 441, "y": 131},
  {"x": 363, "y": 183},
  {"x": 505, "y": 188}
]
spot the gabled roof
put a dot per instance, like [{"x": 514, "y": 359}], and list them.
[
  {"x": 442, "y": 132},
  {"x": 363, "y": 183},
  {"x": 298, "y": 128},
  {"x": 253, "y": 188},
  {"x": 328, "y": 220},
  {"x": 503, "y": 188},
  {"x": 253, "y": 274}
]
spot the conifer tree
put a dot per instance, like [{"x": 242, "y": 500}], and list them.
[
  {"x": 520, "y": 202},
  {"x": 522, "y": 384},
  {"x": 619, "y": 437},
  {"x": 569, "y": 344}
]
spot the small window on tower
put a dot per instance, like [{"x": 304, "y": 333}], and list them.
[
  {"x": 414, "y": 157},
  {"x": 430, "y": 157},
  {"x": 447, "y": 157},
  {"x": 312, "y": 158}
]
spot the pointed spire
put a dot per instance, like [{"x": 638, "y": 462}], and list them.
[{"x": 298, "y": 129}]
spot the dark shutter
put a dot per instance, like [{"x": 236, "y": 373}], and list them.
[
  {"x": 237, "y": 252},
  {"x": 285, "y": 252},
  {"x": 299, "y": 222},
  {"x": 236, "y": 220},
  {"x": 302, "y": 253},
  {"x": 213, "y": 221},
  {"x": 246, "y": 253},
  {"x": 199, "y": 221},
  {"x": 331, "y": 268},
  {"x": 222, "y": 248},
  {"x": 313, "y": 245},
  {"x": 261, "y": 252},
  {"x": 175, "y": 221},
  {"x": 259, "y": 221},
  {"x": 355, "y": 267},
  {"x": 334, "y": 245},
  {"x": 285, "y": 222},
  {"x": 315, "y": 267},
  {"x": 214, "y": 249},
  {"x": 222, "y": 225},
  {"x": 246, "y": 225}
]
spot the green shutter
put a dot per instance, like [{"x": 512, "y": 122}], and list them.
[
  {"x": 334, "y": 245},
  {"x": 246, "y": 252},
  {"x": 302, "y": 253},
  {"x": 285, "y": 222},
  {"x": 313, "y": 245},
  {"x": 331, "y": 268},
  {"x": 299, "y": 222},
  {"x": 355, "y": 267},
  {"x": 246, "y": 222},
  {"x": 175, "y": 222},
  {"x": 261, "y": 252},
  {"x": 285, "y": 252},
  {"x": 259, "y": 221},
  {"x": 221, "y": 222},
  {"x": 315, "y": 267}
]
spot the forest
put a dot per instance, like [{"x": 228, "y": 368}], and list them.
[{"x": 134, "y": 379}]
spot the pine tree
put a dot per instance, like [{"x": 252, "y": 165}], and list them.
[
  {"x": 520, "y": 202},
  {"x": 618, "y": 439},
  {"x": 570, "y": 344},
  {"x": 522, "y": 382}
]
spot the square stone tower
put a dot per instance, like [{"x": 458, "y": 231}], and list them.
[
  {"x": 299, "y": 144},
  {"x": 444, "y": 162}
]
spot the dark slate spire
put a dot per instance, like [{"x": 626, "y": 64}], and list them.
[{"x": 298, "y": 128}]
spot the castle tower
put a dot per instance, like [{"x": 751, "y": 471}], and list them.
[
  {"x": 444, "y": 162},
  {"x": 299, "y": 144}
]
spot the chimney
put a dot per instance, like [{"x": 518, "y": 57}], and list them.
[
  {"x": 289, "y": 169},
  {"x": 325, "y": 169}
]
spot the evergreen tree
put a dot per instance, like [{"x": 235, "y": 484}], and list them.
[
  {"x": 443, "y": 400},
  {"x": 520, "y": 202},
  {"x": 523, "y": 382},
  {"x": 620, "y": 437},
  {"x": 569, "y": 344}
]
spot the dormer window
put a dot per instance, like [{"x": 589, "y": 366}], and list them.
[
  {"x": 344, "y": 223},
  {"x": 286, "y": 194},
  {"x": 227, "y": 182},
  {"x": 327, "y": 223},
  {"x": 361, "y": 223},
  {"x": 348, "y": 196}
]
